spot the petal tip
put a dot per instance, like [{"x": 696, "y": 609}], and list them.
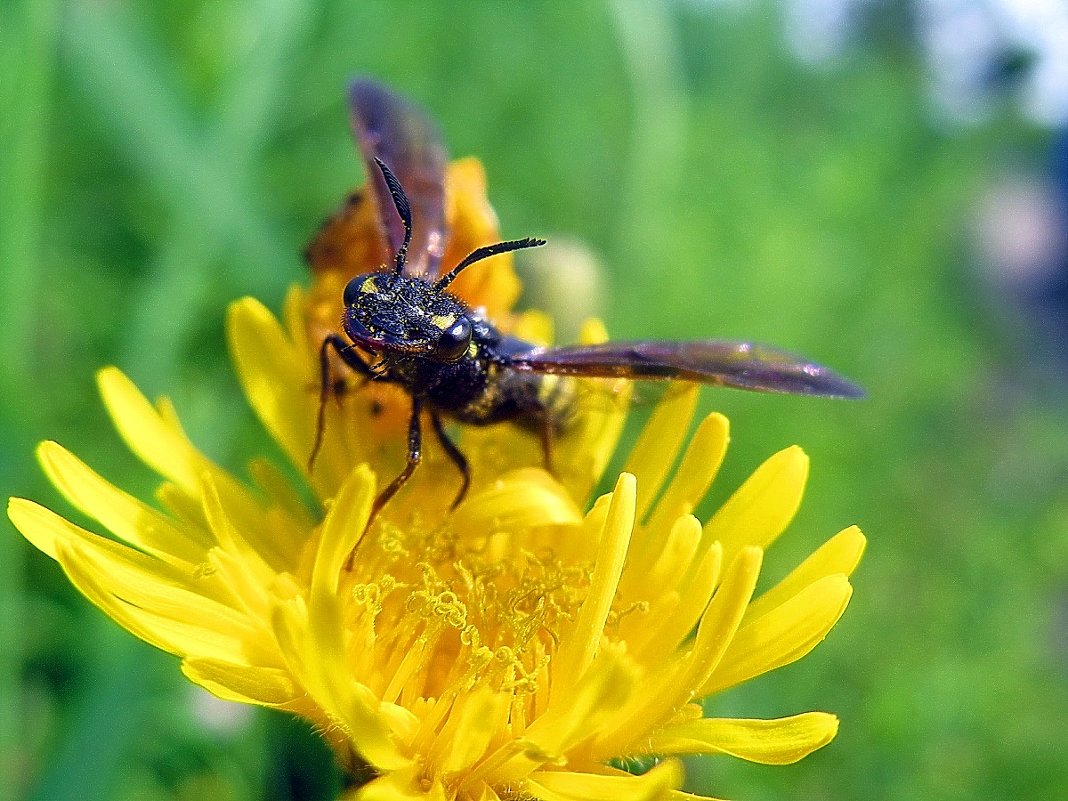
[
  {"x": 245, "y": 307},
  {"x": 110, "y": 376},
  {"x": 719, "y": 420},
  {"x": 46, "y": 448},
  {"x": 15, "y": 509}
]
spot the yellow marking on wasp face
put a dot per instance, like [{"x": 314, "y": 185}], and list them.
[
  {"x": 442, "y": 321},
  {"x": 370, "y": 285}
]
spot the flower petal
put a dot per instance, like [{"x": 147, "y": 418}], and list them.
[
  {"x": 48, "y": 532},
  {"x": 515, "y": 502},
  {"x": 761, "y": 508},
  {"x": 698, "y": 467},
  {"x": 561, "y": 785},
  {"x": 491, "y": 285},
  {"x": 783, "y": 635},
  {"x": 315, "y": 634},
  {"x": 594, "y": 700},
  {"x": 267, "y": 364},
  {"x": 782, "y": 741},
  {"x": 150, "y": 435},
  {"x": 260, "y": 566},
  {"x": 717, "y": 630},
  {"x": 579, "y": 645},
  {"x": 679, "y": 677},
  {"x": 666, "y": 635},
  {"x": 349, "y": 705},
  {"x": 658, "y": 445},
  {"x": 143, "y": 594},
  {"x": 125, "y": 573},
  {"x": 670, "y": 566},
  {"x": 247, "y": 684},
  {"x": 840, "y": 554},
  {"x": 470, "y": 729},
  {"x": 592, "y": 432},
  {"x": 399, "y": 785},
  {"x": 214, "y": 633},
  {"x": 653, "y": 590},
  {"x": 279, "y": 488},
  {"x": 147, "y": 434},
  {"x": 125, "y": 516}
]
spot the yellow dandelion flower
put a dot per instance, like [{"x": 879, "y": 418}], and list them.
[{"x": 517, "y": 647}]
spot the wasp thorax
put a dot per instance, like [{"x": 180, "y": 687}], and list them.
[{"x": 386, "y": 312}]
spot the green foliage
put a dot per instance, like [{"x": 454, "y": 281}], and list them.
[{"x": 160, "y": 160}]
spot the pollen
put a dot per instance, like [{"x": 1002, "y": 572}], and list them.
[{"x": 444, "y": 601}]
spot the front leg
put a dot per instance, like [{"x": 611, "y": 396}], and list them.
[{"x": 351, "y": 358}]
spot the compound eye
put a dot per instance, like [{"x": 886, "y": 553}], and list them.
[
  {"x": 454, "y": 341},
  {"x": 352, "y": 290}
]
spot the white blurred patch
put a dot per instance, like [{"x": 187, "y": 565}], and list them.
[
  {"x": 563, "y": 278},
  {"x": 964, "y": 40},
  {"x": 219, "y": 716},
  {"x": 1022, "y": 234},
  {"x": 965, "y": 44},
  {"x": 817, "y": 31}
]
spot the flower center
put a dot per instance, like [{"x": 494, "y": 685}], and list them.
[{"x": 431, "y": 613}]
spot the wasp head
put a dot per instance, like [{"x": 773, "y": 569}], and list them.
[
  {"x": 389, "y": 314},
  {"x": 394, "y": 314}
]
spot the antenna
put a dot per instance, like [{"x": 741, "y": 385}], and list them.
[
  {"x": 404, "y": 209},
  {"x": 485, "y": 253}
]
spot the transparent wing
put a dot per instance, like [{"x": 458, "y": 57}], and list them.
[
  {"x": 743, "y": 365},
  {"x": 395, "y": 130}
]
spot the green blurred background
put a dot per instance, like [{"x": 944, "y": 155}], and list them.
[{"x": 160, "y": 160}]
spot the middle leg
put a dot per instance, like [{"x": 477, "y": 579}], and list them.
[{"x": 415, "y": 455}]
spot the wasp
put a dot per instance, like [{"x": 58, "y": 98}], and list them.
[{"x": 402, "y": 325}]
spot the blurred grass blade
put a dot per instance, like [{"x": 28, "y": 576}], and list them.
[
  {"x": 118, "y": 71},
  {"x": 27, "y": 64},
  {"x": 102, "y": 731}
]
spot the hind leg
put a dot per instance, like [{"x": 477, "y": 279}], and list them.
[
  {"x": 546, "y": 434},
  {"x": 455, "y": 455}
]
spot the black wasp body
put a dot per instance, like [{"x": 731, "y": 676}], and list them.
[
  {"x": 451, "y": 360},
  {"x": 447, "y": 357},
  {"x": 440, "y": 351}
]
